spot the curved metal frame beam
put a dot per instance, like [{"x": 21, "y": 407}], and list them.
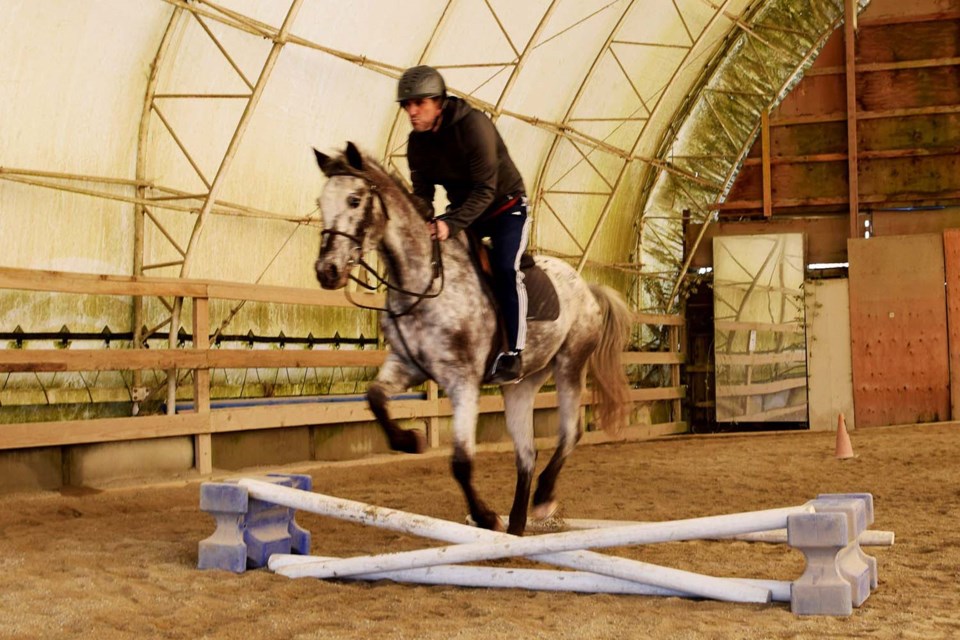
[
  {"x": 389, "y": 149},
  {"x": 280, "y": 39},
  {"x": 815, "y": 47},
  {"x": 561, "y": 130},
  {"x": 658, "y": 164},
  {"x": 278, "y": 43}
]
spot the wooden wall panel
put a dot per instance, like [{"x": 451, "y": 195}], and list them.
[
  {"x": 951, "y": 254},
  {"x": 898, "y": 329},
  {"x": 832, "y": 54},
  {"x": 908, "y": 88},
  {"x": 933, "y": 175},
  {"x": 826, "y": 236},
  {"x": 809, "y": 139},
  {"x": 934, "y": 131},
  {"x": 893, "y": 11},
  {"x": 905, "y": 223},
  {"x": 810, "y": 180},
  {"x": 829, "y": 368},
  {"x": 748, "y": 185},
  {"x": 923, "y": 175},
  {"x": 907, "y": 127},
  {"x": 916, "y": 41},
  {"x": 814, "y": 96}
]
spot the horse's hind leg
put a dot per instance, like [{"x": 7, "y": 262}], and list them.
[
  {"x": 465, "y": 400},
  {"x": 569, "y": 375},
  {"x": 518, "y": 402},
  {"x": 394, "y": 378}
]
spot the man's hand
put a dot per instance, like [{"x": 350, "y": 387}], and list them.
[{"x": 439, "y": 230}]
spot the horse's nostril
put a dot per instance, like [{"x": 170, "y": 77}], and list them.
[{"x": 327, "y": 272}]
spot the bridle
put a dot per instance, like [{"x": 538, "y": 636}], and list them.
[{"x": 420, "y": 296}]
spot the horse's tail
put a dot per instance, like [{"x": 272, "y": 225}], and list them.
[{"x": 611, "y": 394}]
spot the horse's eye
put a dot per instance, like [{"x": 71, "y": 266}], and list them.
[{"x": 353, "y": 201}]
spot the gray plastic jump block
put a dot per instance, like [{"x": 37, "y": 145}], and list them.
[
  {"x": 248, "y": 530},
  {"x": 867, "y": 499},
  {"x": 838, "y": 575}
]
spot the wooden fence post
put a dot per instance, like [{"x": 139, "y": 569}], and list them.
[{"x": 202, "y": 442}]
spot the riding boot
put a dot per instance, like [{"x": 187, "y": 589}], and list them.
[{"x": 506, "y": 368}]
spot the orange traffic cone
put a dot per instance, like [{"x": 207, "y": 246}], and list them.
[{"x": 844, "y": 448}]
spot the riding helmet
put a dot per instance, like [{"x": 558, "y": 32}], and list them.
[{"x": 421, "y": 82}]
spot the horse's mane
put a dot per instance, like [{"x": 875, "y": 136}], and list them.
[{"x": 390, "y": 183}]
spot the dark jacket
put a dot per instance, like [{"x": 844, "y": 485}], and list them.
[{"x": 467, "y": 157}]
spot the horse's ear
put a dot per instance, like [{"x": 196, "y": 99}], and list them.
[
  {"x": 354, "y": 157},
  {"x": 324, "y": 161}
]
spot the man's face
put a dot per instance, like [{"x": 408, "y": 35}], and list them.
[{"x": 423, "y": 112}]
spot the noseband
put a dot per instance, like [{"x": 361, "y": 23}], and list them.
[{"x": 420, "y": 296}]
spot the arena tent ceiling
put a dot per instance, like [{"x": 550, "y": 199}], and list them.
[{"x": 172, "y": 138}]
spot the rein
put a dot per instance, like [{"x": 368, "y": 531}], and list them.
[{"x": 420, "y": 296}]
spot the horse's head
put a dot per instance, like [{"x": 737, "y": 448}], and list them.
[{"x": 354, "y": 217}]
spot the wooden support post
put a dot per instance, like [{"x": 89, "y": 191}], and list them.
[
  {"x": 433, "y": 422},
  {"x": 765, "y": 147},
  {"x": 203, "y": 445},
  {"x": 138, "y": 336},
  {"x": 849, "y": 36},
  {"x": 172, "y": 372},
  {"x": 676, "y": 345}
]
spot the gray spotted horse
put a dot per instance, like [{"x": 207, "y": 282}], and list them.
[{"x": 440, "y": 325}]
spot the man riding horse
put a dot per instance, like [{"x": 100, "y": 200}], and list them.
[{"x": 458, "y": 147}]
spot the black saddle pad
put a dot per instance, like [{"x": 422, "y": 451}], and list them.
[{"x": 542, "y": 301}]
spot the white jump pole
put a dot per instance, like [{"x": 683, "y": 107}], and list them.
[
  {"x": 869, "y": 538},
  {"x": 568, "y": 541},
  {"x": 531, "y": 579},
  {"x": 468, "y": 576},
  {"x": 694, "y": 584}
]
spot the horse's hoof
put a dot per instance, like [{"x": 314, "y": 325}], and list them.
[
  {"x": 410, "y": 441},
  {"x": 490, "y": 521},
  {"x": 544, "y": 511},
  {"x": 419, "y": 442}
]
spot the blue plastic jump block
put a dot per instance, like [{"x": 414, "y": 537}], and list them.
[{"x": 248, "y": 530}]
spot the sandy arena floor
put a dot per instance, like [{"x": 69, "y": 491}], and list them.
[{"x": 121, "y": 563}]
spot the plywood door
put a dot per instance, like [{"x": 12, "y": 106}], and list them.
[
  {"x": 951, "y": 254},
  {"x": 758, "y": 322},
  {"x": 898, "y": 330},
  {"x": 829, "y": 369}
]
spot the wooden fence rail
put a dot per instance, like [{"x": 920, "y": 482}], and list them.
[{"x": 203, "y": 422}]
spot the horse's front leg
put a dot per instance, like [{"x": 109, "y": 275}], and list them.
[
  {"x": 395, "y": 377},
  {"x": 569, "y": 375},
  {"x": 465, "y": 400},
  {"x": 518, "y": 402}
]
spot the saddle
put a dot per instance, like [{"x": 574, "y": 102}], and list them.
[{"x": 543, "y": 304}]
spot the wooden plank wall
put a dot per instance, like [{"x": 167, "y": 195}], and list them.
[
  {"x": 898, "y": 327},
  {"x": 907, "y": 71},
  {"x": 951, "y": 254}
]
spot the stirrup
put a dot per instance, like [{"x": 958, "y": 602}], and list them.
[{"x": 506, "y": 368}]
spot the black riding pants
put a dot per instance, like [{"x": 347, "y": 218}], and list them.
[{"x": 508, "y": 233}]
